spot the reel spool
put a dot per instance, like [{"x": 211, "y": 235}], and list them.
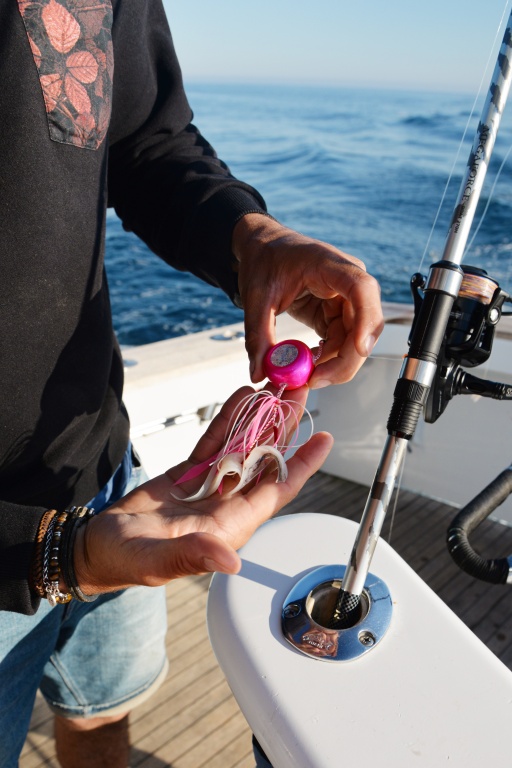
[{"x": 467, "y": 341}]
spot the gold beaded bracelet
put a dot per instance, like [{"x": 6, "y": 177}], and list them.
[
  {"x": 36, "y": 570},
  {"x": 51, "y": 565}
]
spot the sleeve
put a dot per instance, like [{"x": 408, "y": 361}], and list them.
[
  {"x": 166, "y": 182},
  {"x": 17, "y": 536}
]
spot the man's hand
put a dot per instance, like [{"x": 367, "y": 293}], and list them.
[
  {"x": 281, "y": 270},
  {"x": 149, "y": 537}
]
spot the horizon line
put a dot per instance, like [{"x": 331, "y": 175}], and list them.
[{"x": 323, "y": 83}]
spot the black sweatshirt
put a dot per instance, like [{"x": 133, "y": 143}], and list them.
[{"x": 92, "y": 114}]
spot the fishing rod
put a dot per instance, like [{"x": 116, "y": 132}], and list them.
[{"x": 444, "y": 335}]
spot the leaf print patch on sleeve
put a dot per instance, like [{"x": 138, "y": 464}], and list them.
[{"x": 71, "y": 42}]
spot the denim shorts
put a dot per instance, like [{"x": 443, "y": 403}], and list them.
[{"x": 88, "y": 659}]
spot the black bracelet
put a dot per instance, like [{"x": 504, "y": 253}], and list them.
[
  {"x": 51, "y": 561},
  {"x": 78, "y": 516}
]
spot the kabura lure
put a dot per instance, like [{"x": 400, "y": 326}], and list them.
[{"x": 263, "y": 427}]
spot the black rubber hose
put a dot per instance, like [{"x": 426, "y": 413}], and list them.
[{"x": 494, "y": 571}]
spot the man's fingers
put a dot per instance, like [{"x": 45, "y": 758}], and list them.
[
  {"x": 339, "y": 369},
  {"x": 360, "y": 308},
  {"x": 267, "y": 497},
  {"x": 368, "y": 317},
  {"x": 259, "y": 323},
  {"x": 193, "y": 554}
]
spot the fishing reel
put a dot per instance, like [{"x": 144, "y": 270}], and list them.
[{"x": 467, "y": 341}]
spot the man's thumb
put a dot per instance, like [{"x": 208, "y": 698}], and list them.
[{"x": 197, "y": 553}]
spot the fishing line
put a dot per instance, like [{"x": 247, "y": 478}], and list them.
[
  {"x": 461, "y": 143},
  {"x": 498, "y": 174},
  {"x": 483, "y": 82},
  {"x": 487, "y": 366}
]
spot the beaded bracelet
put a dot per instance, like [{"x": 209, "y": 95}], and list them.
[
  {"x": 36, "y": 570},
  {"x": 53, "y": 555},
  {"x": 51, "y": 565},
  {"x": 78, "y": 516}
]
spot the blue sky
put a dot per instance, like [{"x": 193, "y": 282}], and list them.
[{"x": 432, "y": 44}]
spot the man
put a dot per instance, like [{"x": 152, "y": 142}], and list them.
[{"x": 94, "y": 114}]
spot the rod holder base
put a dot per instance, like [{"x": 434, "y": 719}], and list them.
[{"x": 309, "y": 607}]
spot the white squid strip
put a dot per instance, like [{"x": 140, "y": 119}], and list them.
[{"x": 246, "y": 469}]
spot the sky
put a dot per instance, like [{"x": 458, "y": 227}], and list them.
[{"x": 427, "y": 45}]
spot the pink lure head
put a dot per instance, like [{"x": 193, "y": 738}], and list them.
[{"x": 289, "y": 363}]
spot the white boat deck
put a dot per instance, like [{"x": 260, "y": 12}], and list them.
[{"x": 194, "y": 721}]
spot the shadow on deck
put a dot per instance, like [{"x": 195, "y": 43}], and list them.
[{"x": 193, "y": 720}]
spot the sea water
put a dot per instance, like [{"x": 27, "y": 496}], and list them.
[{"x": 365, "y": 170}]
